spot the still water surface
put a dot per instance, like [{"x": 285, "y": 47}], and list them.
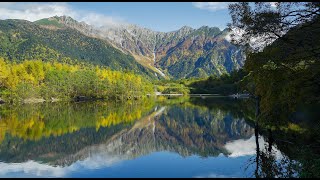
[{"x": 172, "y": 138}]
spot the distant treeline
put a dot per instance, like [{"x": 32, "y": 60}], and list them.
[{"x": 225, "y": 84}]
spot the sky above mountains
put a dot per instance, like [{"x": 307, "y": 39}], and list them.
[{"x": 158, "y": 16}]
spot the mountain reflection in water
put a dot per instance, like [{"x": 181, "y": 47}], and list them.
[{"x": 187, "y": 138}]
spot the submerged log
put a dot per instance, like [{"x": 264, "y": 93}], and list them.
[{"x": 81, "y": 98}]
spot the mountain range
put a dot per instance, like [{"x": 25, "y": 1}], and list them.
[{"x": 183, "y": 53}]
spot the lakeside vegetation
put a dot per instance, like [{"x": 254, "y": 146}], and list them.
[
  {"x": 56, "y": 119},
  {"x": 284, "y": 75},
  {"x": 226, "y": 84},
  {"x": 34, "y": 80}
]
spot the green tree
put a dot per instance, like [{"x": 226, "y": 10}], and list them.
[{"x": 261, "y": 20}]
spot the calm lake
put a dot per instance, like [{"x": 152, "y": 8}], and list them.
[{"x": 181, "y": 137}]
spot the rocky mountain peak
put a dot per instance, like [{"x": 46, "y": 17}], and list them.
[
  {"x": 186, "y": 28},
  {"x": 203, "y": 49}
]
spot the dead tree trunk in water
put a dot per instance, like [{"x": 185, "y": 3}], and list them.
[
  {"x": 256, "y": 133},
  {"x": 257, "y": 98},
  {"x": 270, "y": 140},
  {"x": 257, "y": 149}
]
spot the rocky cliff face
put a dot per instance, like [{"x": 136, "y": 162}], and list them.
[
  {"x": 203, "y": 52},
  {"x": 184, "y": 53}
]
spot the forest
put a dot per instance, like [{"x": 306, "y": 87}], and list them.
[
  {"x": 35, "y": 80},
  {"x": 284, "y": 75},
  {"x": 281, "y": 74}
]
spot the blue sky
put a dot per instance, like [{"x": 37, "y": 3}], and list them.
[{"x": 159, "y": 16}]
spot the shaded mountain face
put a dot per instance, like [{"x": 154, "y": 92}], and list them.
[{"x": 184, "y": 53}]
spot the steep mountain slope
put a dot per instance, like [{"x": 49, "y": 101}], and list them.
[
  {"x": 203, "y": 52},
  {"x": 183, "y": 53},
  {"x": 21, "y": 40}
]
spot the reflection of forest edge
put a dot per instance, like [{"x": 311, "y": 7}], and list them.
[
  {"x": 65, "y": 129},
  {"x": 63, "y": 133}
]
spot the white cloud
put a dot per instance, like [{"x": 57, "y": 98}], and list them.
[
  {"x": 258, "y": 42},
  {"x": 40, "y": 10},
  {"x": 212, "y": 6},
  {"x": 100, "y": 20},
  {"x": 237, "y": 34},
  {"x": 31, "y": 168},
  {"x": 33, "y": 11},
  {"x": 273, "y": 4},
  {"x": 243, "y": 147},
  {"x": 35, "y": 169},
  {"x": 213, "y": 175}
]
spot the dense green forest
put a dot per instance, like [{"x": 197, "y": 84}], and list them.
[
  {"x": 284, "y": 78},
  {"x": 285, "y": 75}
]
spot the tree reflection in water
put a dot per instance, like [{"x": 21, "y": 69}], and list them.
[
  {"x": 268, "y": 163},
  {"x": 63, "y": 134}
]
